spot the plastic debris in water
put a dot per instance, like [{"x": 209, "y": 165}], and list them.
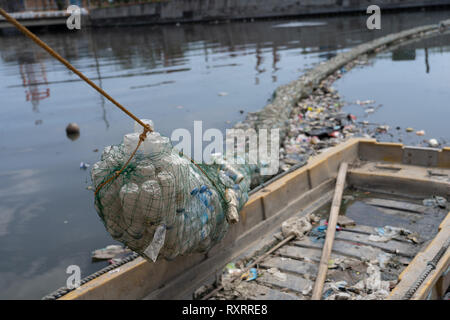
[
  {"x": 433, "y": 143},
  {"x": 365, "y": 102},
  {"x": 84, "y": 165},
  {"x": 72, "y": 128},
  {"x": 314, "y": 140},
  {"x": 420, "y": 133},
  {"x": 109, "y": 252}
]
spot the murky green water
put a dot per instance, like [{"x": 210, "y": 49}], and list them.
[{"x": 172, "y": 75}]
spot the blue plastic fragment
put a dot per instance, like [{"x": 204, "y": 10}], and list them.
[
  {"x": 252, "y": 274},
  {"x": 203, "y": 189},
  {"x": 203, "y": 199},
  {"x": 327, "y": 293},
  {"x": 231, "y": 175},
  {"x": 380, "y": 231},
  {"x": 194, "y": 191}
]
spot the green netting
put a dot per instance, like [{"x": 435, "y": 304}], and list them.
[{"x": 162, "y": 203}]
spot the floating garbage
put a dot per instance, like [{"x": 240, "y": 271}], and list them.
[
  {"x": 84, "y": 165},
  {"x": 162, "y": 204},
  {"x": 73, "y": 131},
  {"x": 420, "y": 133},
  {"x": 365, "y": 102},
  {"x": 351, "y": 117},
  {"x": 382, "y": 129},
  {"x": 72, "y": 128},
  {"x": 110, "y": 252}
]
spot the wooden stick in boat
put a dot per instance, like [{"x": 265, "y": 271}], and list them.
[{"x": 331, "y": 230}]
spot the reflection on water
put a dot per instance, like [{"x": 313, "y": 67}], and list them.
[
  {"x": 34, "y": 77},
  {"x": 170, "y": 74}
]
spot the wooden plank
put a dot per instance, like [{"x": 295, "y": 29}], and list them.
[
  {"x": 296, "y": 252},
  {"x": 265, "y": 293},
  {"x": 291, "y": 265},
  {"x": 404, "y": 249},
  {"x": 294, "y": 283},
  {"x": 345, "y": 248},
  {"x": 399, "y": 205},
  {"x": 401, "y": 183}
]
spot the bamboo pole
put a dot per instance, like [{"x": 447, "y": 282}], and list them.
[{"x": 331, "y": 230}]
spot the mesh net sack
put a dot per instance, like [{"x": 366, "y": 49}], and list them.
[{"x": 162, "y": 204}]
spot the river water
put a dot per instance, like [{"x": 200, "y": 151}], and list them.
[{"x": 174, "y": 75}]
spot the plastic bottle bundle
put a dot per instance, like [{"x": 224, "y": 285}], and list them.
[{"x": 162, "y": 203}]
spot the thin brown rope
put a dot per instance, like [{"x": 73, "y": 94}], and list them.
[
  {"x": 66, "y": 63},
  {"x": 142, "y": 137}
]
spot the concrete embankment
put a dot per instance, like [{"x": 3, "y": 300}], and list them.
[{"x": 170, "y": 11}]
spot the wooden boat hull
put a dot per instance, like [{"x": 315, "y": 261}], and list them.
[{"x": 391, "y": 167}]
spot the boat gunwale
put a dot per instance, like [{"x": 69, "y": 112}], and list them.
[{"x": 264, "y": 204}]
